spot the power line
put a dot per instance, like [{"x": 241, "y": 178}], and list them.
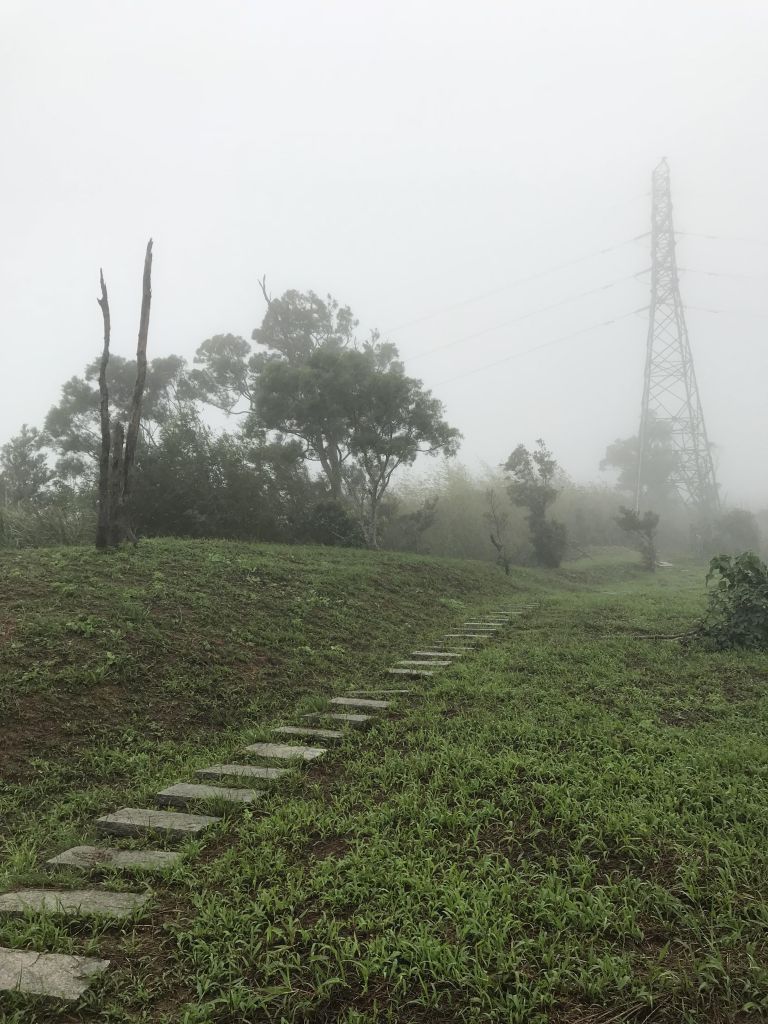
[
  {"x": 722, "y": 238},
  {"x": 514, "y": 284},
  {"x": 524, "y": 316},
  {"x": 718, "y": 273},
  {"x": 729, "y": 312},
  {"x": 546, "y": 344}
]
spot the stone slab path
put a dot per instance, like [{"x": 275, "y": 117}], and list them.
[
  {"x": 136, "y": 821},
  {"x": 48, "y": 974},
  {"x": 241, "y": 771},
  {"x": 362, "y": 693},
  {"x": 329, "y": 735},
  {"x": 409, "y": 672},
  {"x": 284, "y": 751},
  {"x": 360, "y": 702},
  {"x": 88, "y": 857},
  {"x": 79, "y": 902},
  {"x": 356, "y": 721},
  {"x": 430, "y": 664},
  {"x": 185, "y": 793},
  {"x": 68, "y": 977}
]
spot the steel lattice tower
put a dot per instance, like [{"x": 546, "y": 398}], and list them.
[{"x": 670, "y": 392}]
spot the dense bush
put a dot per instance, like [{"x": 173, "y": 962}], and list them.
[{"x": 737, "y": 614}]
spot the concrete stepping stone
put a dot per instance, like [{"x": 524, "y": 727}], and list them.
[
  {"x": 76, "y": 902},
  {"x": 284, "y": 751},
  {"x": 434, "y": 654},
  {"x": 88, "y": 857},
  {"x": 409, "y": 672},
  {"x": 328, "y": 735},
  {"x": 356, "y": 721},
  {"x": 360, "y": 702},
  {"x": 57, "y": 975},
  {"x": 362, "y": 693},
  {"x": 427, "y": 664},
  {"x": 460, "y": 636},
  {"x": 241, "y": 771},
  {"x": 185, "y": 793},
  {"x": 136, "y": 821}
]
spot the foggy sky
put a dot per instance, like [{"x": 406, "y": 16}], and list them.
[{"x": 404, "y": 157}]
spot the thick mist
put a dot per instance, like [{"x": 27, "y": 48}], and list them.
[{"x": 469, "y": 179}]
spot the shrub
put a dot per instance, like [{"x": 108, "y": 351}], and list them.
[{"x": 737, "y": 614}]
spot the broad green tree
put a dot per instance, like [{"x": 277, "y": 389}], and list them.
[{"x": 349, "y": 405}]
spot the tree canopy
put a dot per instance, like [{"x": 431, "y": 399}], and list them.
[{"x": 348, "y": 404}]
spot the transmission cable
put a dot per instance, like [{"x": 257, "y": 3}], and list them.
[
  {"x": 730, "y": 312},
  {"x": 718, "y": 273},
  {"x": 546, "y": 344},
  {"x": 524, "y": 316},
  {"x": 514, "y": 284},
  {"x": 722, "y": 238}
]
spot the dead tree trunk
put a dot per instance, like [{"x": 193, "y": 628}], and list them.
[
  {"x": 118, "y": 446},
  {"x": 115, "y": 532},
  {"x": 102, "y": 525}
]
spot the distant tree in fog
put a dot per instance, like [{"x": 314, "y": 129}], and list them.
[
  {"x": 532, "y": 486},
  {"x": 24, "y": 471}
]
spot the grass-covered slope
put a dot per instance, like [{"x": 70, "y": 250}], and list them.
[
  {"x": 569, "y": 826},
  {"x": 176, "y": 636}
]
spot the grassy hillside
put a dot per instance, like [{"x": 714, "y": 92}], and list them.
[
  {"x": 570, "y": 825},
  {"x": 179, "y": 637}
]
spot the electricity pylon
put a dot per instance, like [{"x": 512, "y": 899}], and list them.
[{"x": 670, "y": 393}]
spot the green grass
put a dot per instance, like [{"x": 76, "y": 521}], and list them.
[{"x": 570, "y": 825}]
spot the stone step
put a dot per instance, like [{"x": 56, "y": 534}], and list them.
[
  {"x": 56, "y": 975},
  {"x": 356, "y": 721},
  {"x": 362, "y": 693},
  {"x": 426, "y": 664},
  {"x": 185, "y": 793},
  {"x": 450, "y": 650},
  {"x": 76, "y": 902},
  {"x": 409, "y": 672},
  {"x": 284, "y": 751},
  {"x": 360, "y": 702},
  {"x": 241, "y": 771},
  {"x": 88, "y": 857},
  {"x": 136, "y": 821},
  {"x": 328, "y": 735},
  {"x": 434, "y": 654},
  {"x": 458, "y": 636}
]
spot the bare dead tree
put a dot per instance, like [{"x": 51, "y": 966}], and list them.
[
  {"x": 102, "y": 525},
  {"x": 118, "y": 446}
]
